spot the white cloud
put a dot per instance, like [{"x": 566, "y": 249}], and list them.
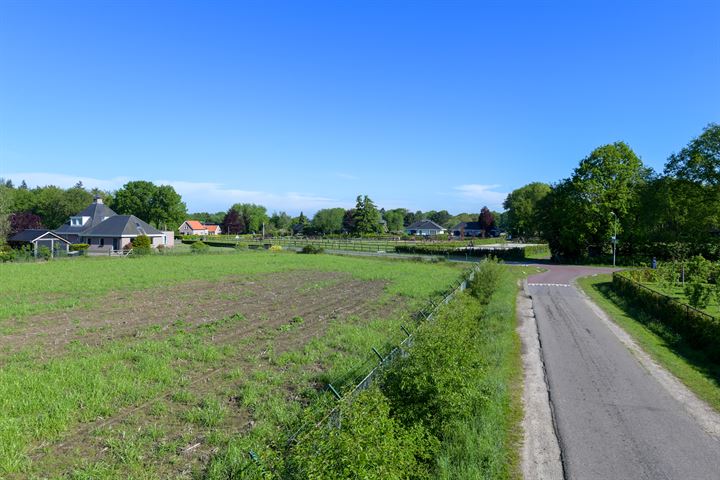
[
  {"x": 484, "y": 194},
  {"x": 198, "y": 196}
]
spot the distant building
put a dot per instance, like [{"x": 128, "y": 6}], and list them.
[
  {"x": 192, "y": 227},
  {"x": 467, "y": 229},
  {"x": 425, "y": 228}
]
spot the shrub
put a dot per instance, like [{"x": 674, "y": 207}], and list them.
[
  {"x": 6, "y": 256},
  {"x": 141, "y": 245},
  {"x": 486, "y": 280},
  {"x": 370, "y": 444},
  {"x": 698, "y": 293},
  {"x": 79, "y": 247},
  {"x": 44, "y": 252},
  {"x": 276, "y": 248},
  {"x": 199, "y": 247},
  {"x": 311, "y": 249}
]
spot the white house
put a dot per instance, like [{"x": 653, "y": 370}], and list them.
[{"x": 425, "y": 227}]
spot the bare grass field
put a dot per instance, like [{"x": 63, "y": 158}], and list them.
[{"x": 146, "y": 368}]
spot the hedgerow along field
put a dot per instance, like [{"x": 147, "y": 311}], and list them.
[{"x": 149, "y": 367}]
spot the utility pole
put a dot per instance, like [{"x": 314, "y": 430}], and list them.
[{"x": 614, "y": 238}]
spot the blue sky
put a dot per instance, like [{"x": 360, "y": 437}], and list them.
[{"x": 304, "y": 105}]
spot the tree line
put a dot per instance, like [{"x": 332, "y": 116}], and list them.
[{"x": 613, "y": 197}]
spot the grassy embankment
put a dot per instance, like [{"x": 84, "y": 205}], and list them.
[
  {"x": 133, "y": 406},
  {"x": 669, "y": 349}
]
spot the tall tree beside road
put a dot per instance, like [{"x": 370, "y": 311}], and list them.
[
  {"x": 699, "y": 161},
  {"x": 522, "y": 206},
  {"x": 580, "y": 212}
]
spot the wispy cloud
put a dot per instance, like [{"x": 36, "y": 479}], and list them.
[
  {"x": 197, "y": 195},
  {"x": 485, "y": 194}
]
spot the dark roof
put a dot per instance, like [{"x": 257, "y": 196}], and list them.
[
  {"x": 119, "y": 225},
  {"x": 468, "y": 226},
  {"x": 28, "y": 235},
  {"x": 96, "y": 211},
  {"x": 31, "y": 234},
  {"x": 425, "y": 225}
]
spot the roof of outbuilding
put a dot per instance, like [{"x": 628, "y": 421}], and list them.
[
  {"x": 212, "y": 228},
  {"x": 28, "y": 235},
  {"x": 120, "y": 225},
  {"x": 425, "y": 225},
  {"x": 32, "y": 234}
]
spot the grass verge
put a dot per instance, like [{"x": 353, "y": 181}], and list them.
[{"x": 692, "y": 367}]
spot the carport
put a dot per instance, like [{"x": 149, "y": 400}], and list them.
[{"x": 41, "y": 238}]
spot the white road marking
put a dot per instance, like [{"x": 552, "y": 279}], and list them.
[{"x": 548, "y": 285}]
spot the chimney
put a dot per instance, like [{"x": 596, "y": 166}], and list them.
[{"x": 98, "y": 200}]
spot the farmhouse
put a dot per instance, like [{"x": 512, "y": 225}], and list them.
[
  {"x": 467, "y": 229},
  {"x": 40, "y": 238},
  {"x": 425, "y": 227},
  {"x": 213, "y": 229},
  {"x": 192, "y": 227},
  {"x": 104, "y": 230}
]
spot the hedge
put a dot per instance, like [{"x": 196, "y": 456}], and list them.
[
  {"x": 700, "y": 329},
  {"x": 514, "y": 253}
]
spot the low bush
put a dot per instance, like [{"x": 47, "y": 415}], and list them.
[
  {"x": 486, "y": 280},
  {"x": 311, "y": 249},
  {"x": 141, "y": 245},
  {"x": 199, "y": 247},
  {"x": 44, "y": 252},
  {"x": 79, "y": 247},
  {"x": 275, "y": 248}
]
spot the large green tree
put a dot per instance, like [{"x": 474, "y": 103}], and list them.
[
  {"x": 367, "y": 216},
  {"x": 135, "y": 198},
  {"x": 395, "y": 219},
  {"x": 699, "y": 161},
  {"x": 168, "y": 209},
  {"x": 521, "y": 206},
  {"x": 253, "y": 215},
  {"x": 158, "y": 205},
  {"x": 328, "y": 220},
  {"x": 579, "y": 215}
]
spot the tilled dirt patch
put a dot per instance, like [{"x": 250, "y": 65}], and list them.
[
  {"x": 127, "y": 314},
  {"x": 268, "y": 302}
]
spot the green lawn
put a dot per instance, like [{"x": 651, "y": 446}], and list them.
[{"x": 692, "y": 367}]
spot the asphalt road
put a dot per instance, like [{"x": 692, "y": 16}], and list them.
[{"x": 613, "y": 419}]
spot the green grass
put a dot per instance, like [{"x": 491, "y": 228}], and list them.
[
  {"x": 691, "y": 366},
  {"x": 43, "y": 400}
]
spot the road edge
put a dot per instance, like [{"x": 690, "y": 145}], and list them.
[
  {"x": 541, "y": 455},
  {"x": 698, "y": 409}
]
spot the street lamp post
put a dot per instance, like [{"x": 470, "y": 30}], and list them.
[{"x": 614, "y": 238}]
